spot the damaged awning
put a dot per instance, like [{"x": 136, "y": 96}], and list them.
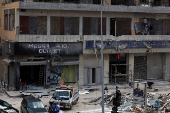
[
  {"x": 65, "y": 63},
  {"x": 33, "y": 63}
]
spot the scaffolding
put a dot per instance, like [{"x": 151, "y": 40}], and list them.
[{"x": 119, "y": 74}]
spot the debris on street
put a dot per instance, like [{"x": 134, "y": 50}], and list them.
[
  {"x": 40, "y": 93},
  {"x": 127, "y": 102}
]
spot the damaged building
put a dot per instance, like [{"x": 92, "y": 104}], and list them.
[{"x": 45, "y": 41}]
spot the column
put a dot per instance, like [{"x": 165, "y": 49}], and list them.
[
  {"x": 106, "y": 69},
  {"x": 131, "y": 66},
  {"x": 17, "y": 75},
  {"x": 81, "y": 25},
  {"x": 81, "y": 69},
  {"x": 48, "y": 24},
  {"x": 17, "y": 21},
  {"x": 108, "y": 26},
  {"x": 132, "y": 23},
  {"x": 166, "y": 66},
  {"x": 47, "y": 72}
]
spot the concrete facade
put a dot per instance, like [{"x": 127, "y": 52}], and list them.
[
  {"x": 90, "y": 58},
  {"x": 92, "y": 7},
  {"x": 93, "y": 61}
]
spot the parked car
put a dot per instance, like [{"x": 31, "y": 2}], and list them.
[
  {"x": 5, "y": 107},
  {"x": 31, "y": 104}
]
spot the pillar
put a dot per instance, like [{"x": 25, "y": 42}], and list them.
[
  {"x": 81, "y": 69},
  {"x": 131, "y": 66},
  {"x": 132, "y": 23},
  {"x": 106, "y": 69},
  {"x": 81, "y": 25},
  {"x": 17, "y": 21},
  {"x": 47, "y": 72},
  {"x": 166, "y": 66},
  {"x": 107, "y": 25},
  {"x": 48, "y": 24},
  {"x": 17, "y": 75}
]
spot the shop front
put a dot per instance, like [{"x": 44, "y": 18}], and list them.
[{"x": 44, "y": 64}]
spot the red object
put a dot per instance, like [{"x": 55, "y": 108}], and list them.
[
  {"x": 63, "y": 87},
  {"x": 118, "y": 56}
]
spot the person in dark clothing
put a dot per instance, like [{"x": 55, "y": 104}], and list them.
[
  {"x": 136, "y": 91},
  {"x": 118, "y": 58},
  {"x": 151, "y": 29},
  {"x": 150, "y": 84}
]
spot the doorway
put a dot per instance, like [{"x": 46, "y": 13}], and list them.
[
  {"x": 32, "y": 75},
  {"x": 92, "y": 75},
  {"x": 112, "y": 26}
]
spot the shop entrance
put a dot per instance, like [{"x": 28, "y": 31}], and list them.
[
  {"x": 32, "y": 75},
  {"x": 118, "y": 68}
]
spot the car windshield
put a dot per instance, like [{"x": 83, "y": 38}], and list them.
[
  {"x": 35, "y": 105},
  {"x": 62, "y": 94}
]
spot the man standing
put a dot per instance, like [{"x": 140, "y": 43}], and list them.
[{"x": 118, "y": 58}]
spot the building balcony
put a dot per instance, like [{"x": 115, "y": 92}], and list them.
[
  {"x": 78, "y": 38},
  {"x": 91, "y": 7},
  {"x": 47, "y": 38},
  {"x": 87, "y": 5}
]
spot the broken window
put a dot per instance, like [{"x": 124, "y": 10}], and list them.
[
  {"x": 12, "y": 19},
  {"x": 71, "y": 26},
  {"x": 64, "y": 26},
  {"x": 120, "y": 26},
  {"x": 55, "y": 25},
  {"x": 149, "y": 26},
  {"x": 33, "y": 25},
  {"x": 92, "y": 26},
  {"x": 5, "y": 19},
  {"x": 24, "y": 24},
  {"x": 42, "y": 25}
]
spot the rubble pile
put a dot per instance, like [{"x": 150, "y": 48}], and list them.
[{"x": 155, "y": 102}]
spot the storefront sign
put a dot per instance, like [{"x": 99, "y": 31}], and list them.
[
  {"x": 49, "y": 48},
  {"x": 127, "y": 44}
]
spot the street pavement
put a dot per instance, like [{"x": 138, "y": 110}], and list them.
[{"x": 15, "y": 99}]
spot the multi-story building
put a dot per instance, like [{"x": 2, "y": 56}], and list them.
[{"x": 43, "y": 41}]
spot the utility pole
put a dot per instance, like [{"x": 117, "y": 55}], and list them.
[{"x": 102, "y": 62}]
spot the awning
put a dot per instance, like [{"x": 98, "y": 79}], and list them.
[
  {"x": 65, "y": 63},
  {"x": 33, "y": 63},
  {"x": 6, "y": 60}
]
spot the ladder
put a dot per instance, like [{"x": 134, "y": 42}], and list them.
[{"x": 40, "y": 78}]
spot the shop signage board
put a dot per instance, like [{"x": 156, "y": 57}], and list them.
[
  {"x": 127, "y": 44},
  {"x": 49, "y": 48}
]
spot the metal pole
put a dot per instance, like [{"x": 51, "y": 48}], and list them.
[{"x": 102, "y": 62}]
